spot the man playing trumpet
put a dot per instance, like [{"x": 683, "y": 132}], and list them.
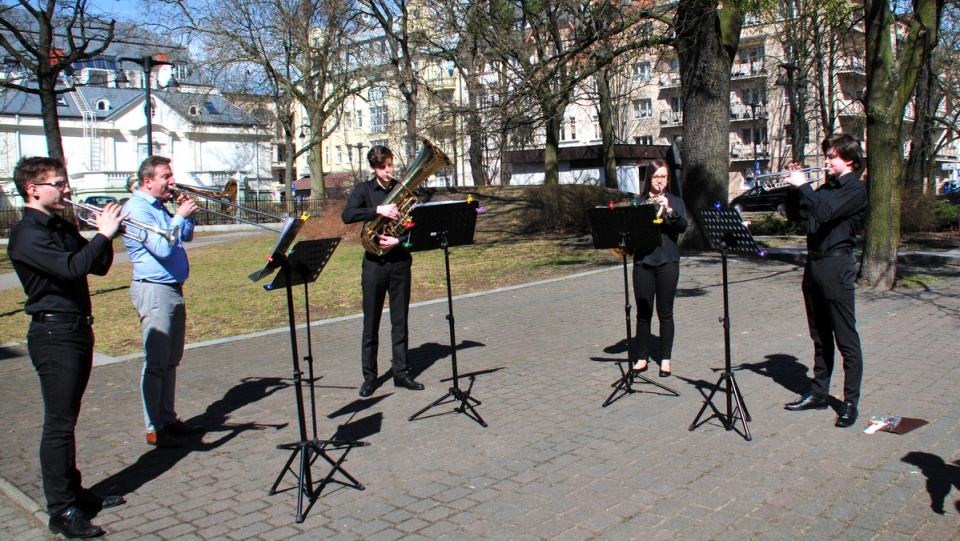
[
  {"x": 834, "y": 213},
  {"x": 159, "y": 270},
  {"x": 52, "y": 261}
]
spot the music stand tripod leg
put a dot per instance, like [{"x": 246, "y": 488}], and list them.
[{"x": 454, "y": 392}]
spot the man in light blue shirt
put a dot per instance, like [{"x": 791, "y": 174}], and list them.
[{"x": 160, "y": 268}]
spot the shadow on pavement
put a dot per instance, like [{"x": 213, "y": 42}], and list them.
[
  {"x": 157, "y": 461},
  {"x": 941, "y": 477}
]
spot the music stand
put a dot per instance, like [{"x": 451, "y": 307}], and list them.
[
  {"x": 727, "y": 232},
  {"x": 443, "y": 224},
  {"x": 302, "y": 266},
  {"x": 627, "y": 229}
]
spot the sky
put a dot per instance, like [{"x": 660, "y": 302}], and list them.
[{"x": 130, "y": 10}]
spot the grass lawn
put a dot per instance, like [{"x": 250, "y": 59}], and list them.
[{"x": 223, "y": 302}]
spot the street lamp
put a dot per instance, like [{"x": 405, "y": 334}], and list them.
[
  {"x": 756, "y": 133},
  {"x": 147, "y": 63}
]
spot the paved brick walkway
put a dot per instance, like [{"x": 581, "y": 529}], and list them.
[{"x": 553, "y": 463}]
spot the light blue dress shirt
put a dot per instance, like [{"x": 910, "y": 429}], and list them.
[{"x": 156, "y": 260}]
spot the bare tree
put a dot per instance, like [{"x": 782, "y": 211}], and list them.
[
  {"x": 892, "y": 74},
  {"x": 46, "y": 37},
  {"x": 300, "y": 52}
]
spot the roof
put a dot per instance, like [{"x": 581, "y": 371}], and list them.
[{"x": 211, "y": 109}]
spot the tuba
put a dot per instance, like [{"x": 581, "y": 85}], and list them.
[{"x": 427, "y": 161}]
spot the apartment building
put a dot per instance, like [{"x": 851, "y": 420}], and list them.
[{"x": 650, "y": 112}]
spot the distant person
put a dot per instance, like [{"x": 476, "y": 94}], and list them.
[
  {"x": 387, "y": 273},
  {"x": 656, "y": 271},
  {"x": 834, "y": 213},
  {"x": 52, "y": 261},
  {"x": 160, "y": 269}
]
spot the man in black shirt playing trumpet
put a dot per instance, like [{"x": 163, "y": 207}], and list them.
[
  {"x": 834, "y": 213},
  {"x": 52, "y": 261}
]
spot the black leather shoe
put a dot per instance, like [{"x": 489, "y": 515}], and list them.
[
  {"x": 73, "y": 525},
  {"x": 808, "y": 402},
  {"x": 180, "y": 428},
  {"x": 640, "y": 370},
  {"x": 407, "y": 383},
  {"x": 848, "y": 415},
  {"x": 367, "y": 388},
  {"x": 91, "y": 503}
]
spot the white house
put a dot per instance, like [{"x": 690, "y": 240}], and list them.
[{"x": 104, "y": 136}]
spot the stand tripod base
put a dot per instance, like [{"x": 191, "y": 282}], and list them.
[
  {"x": 309, "y": 452},
  {"x": 455, "y": 394},
  {"x": 624, "y": 385},
  {"x": 734, "y": 413}
]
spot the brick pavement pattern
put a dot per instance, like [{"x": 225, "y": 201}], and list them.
[{"x": 553, "y": 463}]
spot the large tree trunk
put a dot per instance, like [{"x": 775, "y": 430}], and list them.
[
  {"x": 606, "y": 130},
  {"x": 891, "y": 81},
  {"x": 51, "y": 119},
  {"x": 706, "y": 42},
  {"x": 551, "y": 165},
  {"x": 917, "y": 169}
]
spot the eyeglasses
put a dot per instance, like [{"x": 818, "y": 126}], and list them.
[
  {"x": 660, "y": 177},
  {"x": 60, "y": 184}
]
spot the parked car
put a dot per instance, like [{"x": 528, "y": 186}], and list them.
[
  {"x": 97, "y": 201},
  {"x": 760, "y": 199}
]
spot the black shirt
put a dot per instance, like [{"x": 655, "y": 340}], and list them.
[
  {"x": 834, "y": 212},
  {"x": 52, "y": 261},
  {"x": 673, "y": 224},
  {"x": 362, "y": 207}
]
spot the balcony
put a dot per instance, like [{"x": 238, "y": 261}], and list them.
[
  {"x": 744, "y": 151},
  {"x": 851, "y": 65},
  {"x": 671, "y": 118},
  {"x": 748, "y": 70},
  {"x": 670, "y": 80},
  {"x": 746, "y": 112}
]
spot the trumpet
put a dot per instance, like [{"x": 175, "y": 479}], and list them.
[
  {"x": 85, "y": 213},
  {"x": 773, "y": 181}
]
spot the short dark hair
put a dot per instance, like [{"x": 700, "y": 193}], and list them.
[
  {"x": 847, "y": 147},
  {"x": 149, "y": 165},
  {"x": 32, "y": 170},
  {"x": 651, "y": 169},
  {"x": 378, "y": 155}
]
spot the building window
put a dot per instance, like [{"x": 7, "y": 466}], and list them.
[
  {"x": 642, "y": 72},
  {"x": 378, "y": 119},
  {"x": 568, "y": 130},
  {"x": 359, "y": 119},
  {"x": 375, "y": 93},
  {"x": 103, "y": 105},
  {"x": 339, "y": 154},
  {"x": 347, "y": 121},
  {"x": 193, "y": 110},
  {"x": 378, "y": 143},
  {"x": 643, "y": 108},
  {"x": 597, "y": 131},
  {"x": 644, "y": 140}
]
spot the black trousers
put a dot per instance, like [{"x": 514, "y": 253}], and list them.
[
  {"x": 829, "y": 293},
  {"x": 62, "y": 354},
  {"x": 655, "y": 286},
  {"x": 381, "y": 276}
]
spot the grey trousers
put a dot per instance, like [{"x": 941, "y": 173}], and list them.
[{"x": 163, "y": 323}]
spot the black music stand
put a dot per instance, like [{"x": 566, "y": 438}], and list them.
[
  {"x": 443, "y": 224},
  {"x": 302, "y": 266},
  {"x": 627, "y": 229},
  {"x": 727, "y": 232}
]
